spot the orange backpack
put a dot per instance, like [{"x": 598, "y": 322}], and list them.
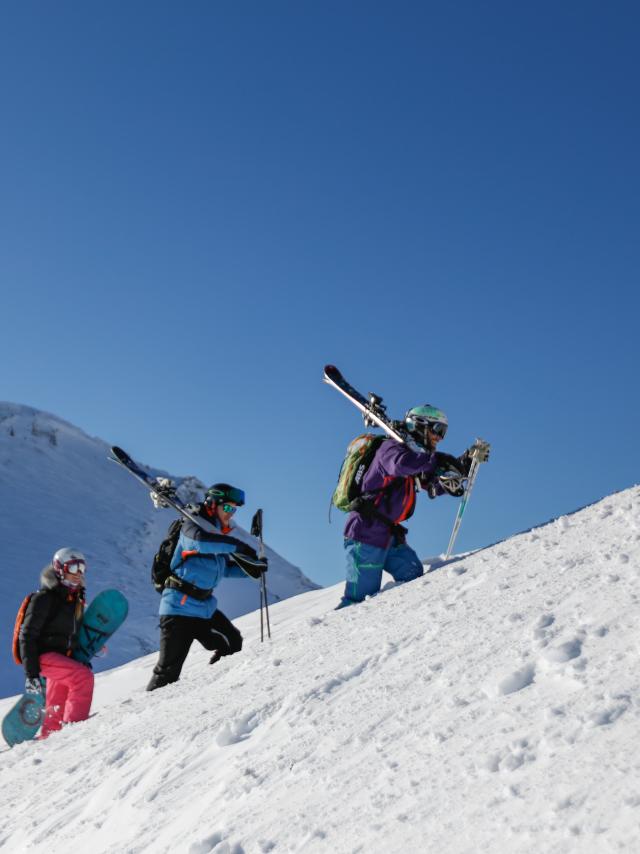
[{"x": 16, "y": 630}]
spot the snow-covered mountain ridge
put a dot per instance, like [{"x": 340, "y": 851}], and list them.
[
  {"x": 491, "y": 706},
  {"x": 58, "y": 488}
]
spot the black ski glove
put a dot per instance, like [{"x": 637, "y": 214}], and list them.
[
  {"x": 33, "y": 686},
  {"x": 245, "y": 549},
  {"x": 446, "y": 461},
  {"x": 449, "y": 475},
  {"x": 464, "y": 463},
  {"x": 253, "y": 566}
]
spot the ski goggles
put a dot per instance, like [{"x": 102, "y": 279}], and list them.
[
  {"x": 228, "y": 508},
  {"x": 229, "y": 494},
  {"x": 73, "y": 567},
  {"x": 439, "y": 428}
]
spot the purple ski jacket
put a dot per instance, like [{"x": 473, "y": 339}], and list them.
[{"x": 398, "y": 465}]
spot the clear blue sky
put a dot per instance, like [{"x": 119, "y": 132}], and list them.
[{"x": 202, "y": 203}]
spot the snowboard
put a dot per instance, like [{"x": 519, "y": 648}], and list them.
[
  {"x": 23, "y": 720},
  {"x": 168, "y": 495},
  {"x": 107, "y": 611}
]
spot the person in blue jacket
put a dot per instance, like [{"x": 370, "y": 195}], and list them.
[{"x": 199, "y": 560}]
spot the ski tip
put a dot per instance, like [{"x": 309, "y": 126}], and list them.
[
  {"x": 331, "y": 371},
  {"x": 119, "y": 454}
]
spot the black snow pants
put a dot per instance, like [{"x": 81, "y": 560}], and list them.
[{"x": 178, "y": 633}]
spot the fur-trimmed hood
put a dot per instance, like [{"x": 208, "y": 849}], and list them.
[{"x": 50, "y": 581}]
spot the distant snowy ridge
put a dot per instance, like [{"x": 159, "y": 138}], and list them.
[
  {"x": 58, "y": 488},
  {"x": 491, "y": 706}
]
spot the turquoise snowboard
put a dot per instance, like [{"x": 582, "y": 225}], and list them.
[
  {"x": 104, "y": 615},
  {"x": 22, "y": 721}
]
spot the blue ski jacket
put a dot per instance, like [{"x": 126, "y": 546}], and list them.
[{"x": 199, "y": 558}]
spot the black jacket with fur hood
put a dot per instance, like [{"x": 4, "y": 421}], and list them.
[{"x": 51, "y": 621}]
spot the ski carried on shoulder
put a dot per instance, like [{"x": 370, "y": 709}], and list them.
[
  {"x": 374, "y": 412},
  {"x": 163, "y": 493}
]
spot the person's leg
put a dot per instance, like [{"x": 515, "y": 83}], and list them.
[
  {"x": 80, "y": 682},
  {"x": 219, "y": 634},
  {"x": 176, "y": 637},
  {"x": 364, "y": 571},
  {"x": 403, "y": 564},
  {"x": 56, "y": 693}
]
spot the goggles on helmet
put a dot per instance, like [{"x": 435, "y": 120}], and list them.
[
  {"x": 427, "y": 417},
  {"x": 218, "y": 494},
  {"x": 72, "y": 567},
  {"x": 438, "y": 427}
]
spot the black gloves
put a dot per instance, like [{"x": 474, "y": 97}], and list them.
[
  {"x": 244, "y": 549},
  {"x": 450, "y": 475},
  {"x": 33, "y": 686},
  {"x": 446, "y": 461},
  {"x": 253, "y": 566}
]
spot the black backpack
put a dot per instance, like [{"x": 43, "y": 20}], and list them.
[{"x": 161, "y": 567}]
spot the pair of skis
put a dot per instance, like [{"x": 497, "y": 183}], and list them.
[
  {"x": 374, "y": 414},
  {"x": 164, "y": 495}
]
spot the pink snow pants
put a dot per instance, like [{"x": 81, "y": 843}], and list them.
[{"x": 69, "y": 691}]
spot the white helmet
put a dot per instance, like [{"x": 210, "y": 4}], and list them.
[{"x": 69, "y": 566}]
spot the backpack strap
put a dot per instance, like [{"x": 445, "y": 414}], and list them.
[
  {"x": 364, "y": 505},
  {"x": 160, "y": 569},
  {"x": 183, "y": 586},
  {"x": 15, "y": 647}
]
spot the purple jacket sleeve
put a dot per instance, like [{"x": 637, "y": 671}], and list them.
[{"x": 397, "y": 460}]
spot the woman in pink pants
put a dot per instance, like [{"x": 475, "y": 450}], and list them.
[{"x": 47, "y": 636}]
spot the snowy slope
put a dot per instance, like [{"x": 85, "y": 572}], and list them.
[
  {"x": 58, "y": 488},
  {"x": 492, "y": 705}
]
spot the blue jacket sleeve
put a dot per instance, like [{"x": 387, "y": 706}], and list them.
[{"x": 233, "y": 571}]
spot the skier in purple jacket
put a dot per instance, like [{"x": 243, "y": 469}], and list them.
[{"x": 374, "y": 538}]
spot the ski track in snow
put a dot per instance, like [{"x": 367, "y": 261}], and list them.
[{"x": 490, "y": 706}]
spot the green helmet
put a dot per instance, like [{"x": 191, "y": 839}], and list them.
[{"x": 421, "y": 418}]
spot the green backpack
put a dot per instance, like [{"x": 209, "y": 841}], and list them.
[{"x": 360, "y": 453}]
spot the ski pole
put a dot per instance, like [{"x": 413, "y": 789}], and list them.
[
  {"x": 479, "y": 453},
  {"x": 266, "y": 604},
  {"x": 261, "y": 615},
  {"x": 256, "y": 531}
]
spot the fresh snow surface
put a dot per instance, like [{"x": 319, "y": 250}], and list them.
[
  {"x": 491, "y": 706},
  {"x": 57, "y": 488}
]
